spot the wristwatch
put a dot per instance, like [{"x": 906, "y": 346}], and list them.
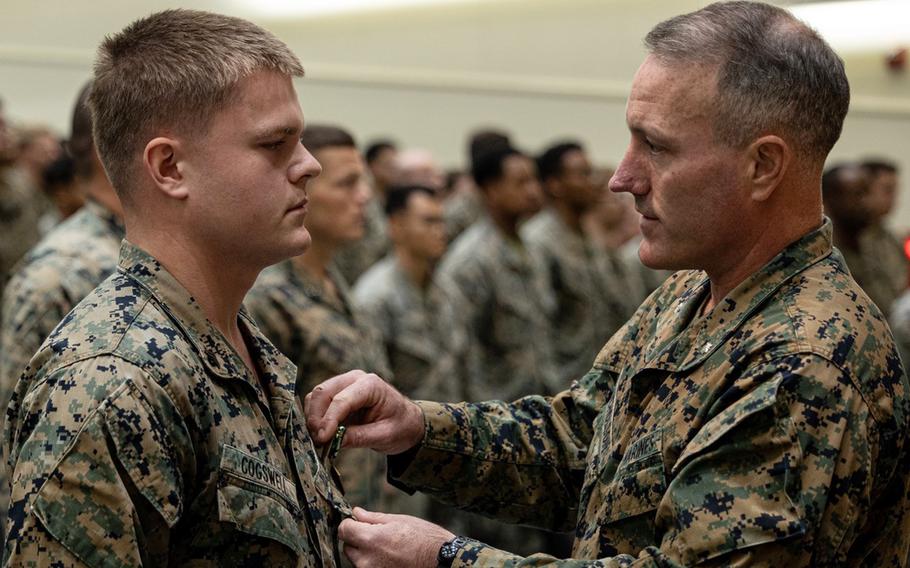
[{"x": 449, "y": 550}]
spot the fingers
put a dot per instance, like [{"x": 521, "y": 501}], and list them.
[
  {"x": 369, "y": 517},
  {"x": 318, "y": 401},
  {"x": 363, "y": 392}
]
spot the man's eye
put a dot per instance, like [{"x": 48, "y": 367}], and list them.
[
  {"x": 273, "y": 145},
  {"x": 652, "y": 147}
]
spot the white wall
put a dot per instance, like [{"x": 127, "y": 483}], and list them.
[{"x": 543, "y": 69}]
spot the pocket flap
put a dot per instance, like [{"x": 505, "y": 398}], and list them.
[
  {"x": 762, "y": 398},
  {"x": 260, "y": 515}
]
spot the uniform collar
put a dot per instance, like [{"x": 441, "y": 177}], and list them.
[
  {"x": 682, "y": 340},
  {"x": 216, "y": 353}
]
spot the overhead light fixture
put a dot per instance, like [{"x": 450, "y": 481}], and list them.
[
  {"x": 315, "y": 8},
  {"x": 858, "y": 25}
]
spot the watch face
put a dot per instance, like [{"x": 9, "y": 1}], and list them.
[{"x": 449, "y": 551}]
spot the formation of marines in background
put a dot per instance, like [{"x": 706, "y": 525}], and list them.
[{"x": 752, "y": 410}]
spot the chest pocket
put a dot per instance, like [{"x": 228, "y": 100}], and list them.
[
  {"x": 629, "y": 496},
  {"x": 259, "y": 500},
  {"x": 639, "y": 481}
]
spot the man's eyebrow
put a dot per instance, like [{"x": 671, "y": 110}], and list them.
[{"x": 282, "y": 131}]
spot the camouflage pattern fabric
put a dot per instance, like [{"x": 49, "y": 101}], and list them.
[
  {"x": 325, "y": 337},
  {"x": 880, "y": 267},
  {"x": 52, "y": 278},
  {"x": 19, "y": 213},
  {"x": 137, "y": 436},
  {"x": 355, "y": 259},
  {"x": 425, "y": 344},
  {"x": 770, "y": 431},
  {"x": 502, "y": 294},
  {"x": 591, "y": 302},
  {"x": 461, "y": 211}
]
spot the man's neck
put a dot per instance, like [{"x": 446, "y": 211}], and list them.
[
  {"x": 505, "y": 223},
  {"x": 569, "y": 215},
  {"x": 217, "y": 287},
  {"x": 768, "y": 244},
  {"x": 317, "y": 259},
  {"x": 418, "y": 270},
  {"x": 101, "y": 191}
]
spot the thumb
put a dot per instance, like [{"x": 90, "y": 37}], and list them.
[{"x": 373, "y": 518}]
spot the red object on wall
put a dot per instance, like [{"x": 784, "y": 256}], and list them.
[{"x": 897, "y": 60}]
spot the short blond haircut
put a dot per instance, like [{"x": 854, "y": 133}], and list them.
[{"x": 172, "y": 70}]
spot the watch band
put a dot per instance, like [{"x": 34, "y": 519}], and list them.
[{"x": 449, "y": 550}]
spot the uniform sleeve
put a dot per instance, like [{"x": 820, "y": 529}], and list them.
[
  {"x": 794, "y": 468},
  {"x": 522, "y": 462},
  {"x": 95, "y": 482}
]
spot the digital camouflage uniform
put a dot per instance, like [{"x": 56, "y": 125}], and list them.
[
  {"x": 19, "y": 213},
  {"x": 501, "y": 293},
  {"x": 425, "y": 344},
  {"x": 138, "y": 436},
  {"x": 591, "y": 304},
  {"x": 355, "y": 259},
  {"x": 770, "y": 431},
  {"x": 52, "y": 278},
  {"x": 461, "y": 211},
  {"x": 325, "y": 337}
]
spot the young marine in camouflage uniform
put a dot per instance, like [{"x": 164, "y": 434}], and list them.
[
  {"x": 157, "y": 425},
  {"x": 753, "y": 411}
]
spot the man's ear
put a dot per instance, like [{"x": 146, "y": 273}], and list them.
[
  {"x": 769, "y": 159},
  {"x": 162, "y": 162}
]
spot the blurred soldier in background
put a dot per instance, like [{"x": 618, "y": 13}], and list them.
[
  {"x": 355, "y": 258},
  {"x": 883, "y": 251},
  {"x": 590, "y": 301},
  {"x": 304, "y": 307},
  {"x": 65, "y": 266},
  {"x": 464, "y": 207},
  {"x": 499, "y": 288},
  {"x": 19, "y": 207}
]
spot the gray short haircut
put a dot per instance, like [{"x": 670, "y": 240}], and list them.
[
  {"x": 775, "y": 74},
  {"x": 172, "y": 69}
]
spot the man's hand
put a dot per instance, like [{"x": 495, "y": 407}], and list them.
[
  {"x": 378, "y": 540},
  {"x": 376, "y": 415}
]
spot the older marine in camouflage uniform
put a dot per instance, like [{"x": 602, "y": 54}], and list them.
[
  {"x": 590, "y": 306},
  {"x": 139, "y": 436},
  {"x": 325, "y": 336},
  {"x": 501, "y": 292},
  {"x": 770, "y": 431}
]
